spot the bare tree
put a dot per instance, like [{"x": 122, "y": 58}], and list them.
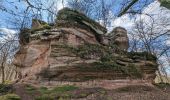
[
  {"x": 151, "y": 34},
  {"x": 7, "y": 49}
]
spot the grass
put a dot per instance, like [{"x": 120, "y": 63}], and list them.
[
  {"x": 30, "y": 89},
  {"x": 51, "y": 94},
  {"x": 10, "y": 97},
  {"x": 64, "y": 88},
  {"x": 66, "y": 92},
  {"x": 60, "y": 89},
  {"x": 142, "y": 55}
]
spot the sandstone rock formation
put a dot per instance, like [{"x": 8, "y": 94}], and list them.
[
  {"x": 74, "y": 19},
  {"x": 120, "y": 38},
  {"x": 74, "y": 50}
]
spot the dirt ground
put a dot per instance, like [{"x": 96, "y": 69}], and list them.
[{"x": 134, "y": 92}]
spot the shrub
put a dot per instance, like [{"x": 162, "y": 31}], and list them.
[
  {"x": 142, "y": 55},
  {"x": 4, "y": 88},
  {"x": 162, "y": 85}
]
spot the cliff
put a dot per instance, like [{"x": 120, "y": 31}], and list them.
[{"x": 76, "y": 48}]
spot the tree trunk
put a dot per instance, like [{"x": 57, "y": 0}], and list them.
[{"x": 3, "y": 73}]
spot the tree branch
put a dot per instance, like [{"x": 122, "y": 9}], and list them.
[{"x": 127, "y": 7}]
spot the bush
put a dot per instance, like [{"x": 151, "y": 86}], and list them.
[
  {"x": 4, "y": 88},
  {"x": 142, "y": 55},
  {"x": 162, "y": 85}
]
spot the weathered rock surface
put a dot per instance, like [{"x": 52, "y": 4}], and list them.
[
  {"x": 74, "y": 19},
  {"x": 73, "y": 51},
  {"x": 120, "y": 38}
]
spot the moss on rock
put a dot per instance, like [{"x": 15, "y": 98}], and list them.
[
  {"x": 142, "y": 56},
  {"x": 72, "y": 18}
]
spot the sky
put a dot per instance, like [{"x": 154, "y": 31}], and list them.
[{"x": 154, "y": 9}]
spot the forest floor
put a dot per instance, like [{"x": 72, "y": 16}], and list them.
[{"x": 71, "y": 92}]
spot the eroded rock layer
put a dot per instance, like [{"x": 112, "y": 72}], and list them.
[{"x": 68, "y": 53}]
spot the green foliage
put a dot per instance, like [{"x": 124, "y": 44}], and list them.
[
  {"x": 10, "y": 97},
  {"x": 142, "y": 55},
  {"x": 132, "y": 71},
  {"x": 71, "y": 16},
  {"x": 107, "y": 60},
  {"x": 25, "y": 36},
  {"x": 88, "y": 50},
  {"x": 43, "y": 90},
  {"x": 165, "y": 3},
  {"x": 107, "y": 57},
  {"x": 51, "y": 94},
  {"x": 5, "y": 88},
  {"x": 46, "y": 26},
  {"x": 30, "y": 89},
  {"x": 43, "y": 27},
  {"x": 162, "y": 85}
]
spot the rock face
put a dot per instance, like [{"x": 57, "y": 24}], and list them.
[
  {"x": 75, "y": 50},
  {"x": 120, "y": 38},
  {"x": 74, "y": 19}
]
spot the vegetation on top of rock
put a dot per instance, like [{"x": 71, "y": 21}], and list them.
[
  {"x": 89, "y": 51},
  {"x": 165, "y": 3},
  {"x": 74, "y": 18},
  {"x": 162, "y": 85},
  {"x": 142, "y": 55},
  {"x": 38, "y": 25},
  {"x": 40, "y": 21},
  {"x": 45, "y": 26},
  {"x": 24, "y": 36}
]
